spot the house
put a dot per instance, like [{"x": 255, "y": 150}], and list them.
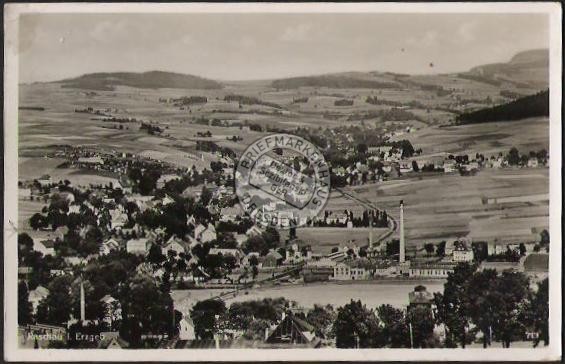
[
  {"x": 431, "y": 270},
  {"x": 167, "y": 200},
  {"x": 533, "y": 163},
  {"x": 271, "y": 260},
  {"x": 125, "y": 184},
  {"x": 112, "y": 340},
  {"x": 186, "y": 329},
  {"x": 209, "y": 234},
  {"x": 108, "y": 246},
  {"x": 118, "y": 219},
  {"x": 45, "y": 247},
  {"x": 253, "y": 231},
  {"x": 230, "y": 213},
  {"x": 420, "y": 297},
  {"x": 295, "y": 331},
  {"x": 494, "y": 248},
  {"x": 35, "y": 296},
  {"x": 73, "y": 261},
  {"x": 406, "y": 167},
  {"x": 173, "y": 245},
  {"x": 113, "y": 310},
  {"x": 90, "y": 161},
  {"x": 166, "y": 178},
  {"x": 240, "y": 239},
  {"x": 138, "y": 246},
  {"x": 463, "y": 254},
  {"x": 348, "y": 272},
  {"x": 44, "y": 180},
  {"x": 236, "y": 253},
  {"x": 449, "y": 166}
]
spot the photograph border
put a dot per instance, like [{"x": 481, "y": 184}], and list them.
[{"x": 11, "y": 351}]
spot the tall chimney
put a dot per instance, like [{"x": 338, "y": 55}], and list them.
[
  {"x": 82, "y": 304},
  {"x": 402, "y": 248},
  {"x": 371, "y": 229}
]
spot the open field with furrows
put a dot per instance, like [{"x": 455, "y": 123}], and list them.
[
  {"x": 488, "y": 138},
  {"x": 452, "y": 206}
]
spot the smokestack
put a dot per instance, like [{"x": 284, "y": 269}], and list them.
[
  {"x": 402, "y": 248},
  {"x": 82, "y": 304},
  {"x": 371, "y": 230}
]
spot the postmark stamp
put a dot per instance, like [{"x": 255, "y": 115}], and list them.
[{"x": 282, "y": 180}]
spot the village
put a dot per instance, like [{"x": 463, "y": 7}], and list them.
[{"x": 182, "y": 229}]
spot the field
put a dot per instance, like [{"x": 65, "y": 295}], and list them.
[
  {"x": 452, "y": 206},
  {"x": 438, "y": 207}
]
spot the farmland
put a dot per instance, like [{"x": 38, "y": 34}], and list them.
[{"x": 503, "y": 204}]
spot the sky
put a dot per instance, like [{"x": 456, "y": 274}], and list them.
[{"x": 267, "y": 46}]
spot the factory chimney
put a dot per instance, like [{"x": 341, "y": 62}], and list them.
[
  {"x": 82, "y": 304},
  {"x": 402, "y": 247}
]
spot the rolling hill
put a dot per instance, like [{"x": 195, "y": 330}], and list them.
[
  {"x": 525, "y": 107},
  {"x": 526, "y": 69},
  {"x": 357, "y": 80},
  {"x": 151, "y": 80}
]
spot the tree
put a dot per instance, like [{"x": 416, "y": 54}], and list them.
[
  {"x": 510, "y": 292},
  {"x": 421, "y": 319},
  {"x": 544, "y": 237},
  {"x": 440, "y": 249},
  {"x": 430, "y": 248},
  {"x": 415, "y": 166},
  {"x": 25, "y": 244},
  {"x": 205, "y": 196},
  {"x": 24, "y": 306},
  {"x": 155, "y": 255},
  {"x": 54, "y": 309},
  {"x": 357, "y": 327},
  {"x": 539, "y": 312},
  {"x": 480, "y": 302},
  {"x": 38, "y": 221},
  {"x": 513, "y": 157},
  {"x": 452, "y": 308},
  {"x": 205, "y": 315},
  {"x": 395, "y": 326},
  {"x": 145, "y": 309},
  {"x": 322, "y": 317},
  {"x": 522, "y": 248}
]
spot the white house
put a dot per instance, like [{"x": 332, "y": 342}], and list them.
[
  {"x": 174, "y": 245},
  {"x": 45, "y": 247},
  {"x": 463, "y": 255},
  {"x": 108, "y": 246},
  {"x": 138, "y": 246},
  {"x": 532, "y": 163},
  {"x": 345, "y": 272}
]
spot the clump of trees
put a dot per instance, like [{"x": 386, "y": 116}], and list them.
[{"x": 525, "y": 107}]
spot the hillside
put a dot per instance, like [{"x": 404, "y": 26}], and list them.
[
  {"x": 525, "y": 69},
  {"x": 333, "y": 81},
  {"x": 150, "y": 80},
  {"x": 525, "y": 107}
]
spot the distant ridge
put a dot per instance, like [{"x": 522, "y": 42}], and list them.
[
  {"x": 525, "y": 107},
  {"x": 528, "y": 68},
  {"x": 332, "y": 81},
  {"x": 150, "y": 80}
]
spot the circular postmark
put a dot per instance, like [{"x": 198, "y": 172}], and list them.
[{"x": 282, "y": 181}]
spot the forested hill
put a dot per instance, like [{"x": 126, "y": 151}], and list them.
[
  {"x": 525, "y": 107},
  {"x": 151, "y": 80}
]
